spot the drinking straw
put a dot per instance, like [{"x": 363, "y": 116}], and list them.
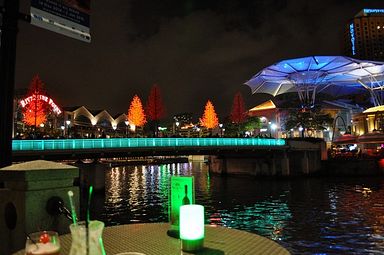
[
  {"x": 88, "y": 217},
  {"x": 73, "y": 211}
]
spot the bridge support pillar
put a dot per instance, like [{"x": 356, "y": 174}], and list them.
[
  {"x": 305, "y": 163},
  {"x": 285, "y": 164},
  {"x": 93, "y": 174},
  {"x": 272, "y": 165},
  {"x": 23, "y": 200}
]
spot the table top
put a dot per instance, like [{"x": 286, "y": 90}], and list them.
[{"x": 152, "y": 239}]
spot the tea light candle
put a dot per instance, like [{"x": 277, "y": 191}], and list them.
[{"x": 192, "y": 227}]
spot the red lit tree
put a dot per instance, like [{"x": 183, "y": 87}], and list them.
[
  {"x": 136, "y": 115},
  {"x": 155, "y": 108},
  {"x": 35, "y": 113},
  {"x": 238, "y": 113},
  {"x": 209, "y": 119}
]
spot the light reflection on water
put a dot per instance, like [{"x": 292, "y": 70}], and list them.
[{"x": 307, "y": 216}]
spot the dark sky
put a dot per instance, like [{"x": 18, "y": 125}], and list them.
[{"x": 194, "y": 50}]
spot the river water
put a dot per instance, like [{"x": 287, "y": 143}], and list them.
[{"x": 305, "y": 215}]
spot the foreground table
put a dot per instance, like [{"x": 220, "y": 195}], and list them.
[{"x": 152, "y": 239}]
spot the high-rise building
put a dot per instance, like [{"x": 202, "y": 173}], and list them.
[{"x": 364, "y": 35}]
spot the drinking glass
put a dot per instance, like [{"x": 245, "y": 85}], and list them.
[
  {"x": 79, "y": 240},
  {"x": 43, "y": 243}
]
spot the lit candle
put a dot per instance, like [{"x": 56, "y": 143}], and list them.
[{"x": 192, "y": 227}]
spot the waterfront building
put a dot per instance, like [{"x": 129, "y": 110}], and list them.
[
  {"x": 84, "y": 123},
  {"x": 273, "y": 115},
  {"x": 364, "y": 35}
]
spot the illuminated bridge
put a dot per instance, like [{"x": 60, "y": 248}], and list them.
[{"x": 56, "y": 149}]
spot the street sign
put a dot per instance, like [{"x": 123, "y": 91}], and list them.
[{"x": 67, "y": 17}]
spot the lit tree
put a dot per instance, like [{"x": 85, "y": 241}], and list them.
[
  {"x": 238, "y": 113},
  {"x": 209, "y": 119},
  {"x": 155, "y": 108},
  {"x": 35, "y": 113},
  {"x": 136, "y": 115}
]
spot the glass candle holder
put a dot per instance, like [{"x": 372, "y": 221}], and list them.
[
  {"x": 79, "y": 240},
  {"x": 44, "y": 242},
  {"x": 192, "y": 227}
]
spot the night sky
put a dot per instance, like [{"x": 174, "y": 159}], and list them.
[{"x": 194, "y": 50}]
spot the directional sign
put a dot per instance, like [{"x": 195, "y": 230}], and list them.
[{"x": 67, "y": 17}]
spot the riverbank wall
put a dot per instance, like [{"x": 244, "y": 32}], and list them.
[{"x": 300, "y": 158}]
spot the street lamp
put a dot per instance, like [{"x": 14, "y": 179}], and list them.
[
  {"x": 301, "y": 131},
  {"x": 62, "y": 130},
  {"x": 126, "y": 127},
  {"x": 177, "y": 127},
  {"x": 273, "y": 128},
  {"x": 221, "y": 129},
  {"x": 68, "y": 122}
]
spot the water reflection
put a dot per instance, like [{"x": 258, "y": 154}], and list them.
[{"x": 307, "y": 216}]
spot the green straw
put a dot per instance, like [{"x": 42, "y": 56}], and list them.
[
  {"x": 73, "y": 210},
  {"x": 89, "y": 203},
  {"x": 88, "y": 219}
]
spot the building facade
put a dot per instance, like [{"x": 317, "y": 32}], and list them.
[{"x": 364, "y": 35}]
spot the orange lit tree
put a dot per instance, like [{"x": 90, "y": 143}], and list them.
[
  {"x": 155, "y": 108},
  {"x": 136, "y": 115},
  {"x": 209, "y": 119},
  {"x": 35, "y": 113}
]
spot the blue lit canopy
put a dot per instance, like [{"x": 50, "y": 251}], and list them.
[{"x": 307, "y": 76}]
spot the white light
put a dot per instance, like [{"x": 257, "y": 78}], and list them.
[
  {"x": 62, "y": 127},
  {"x": 126, "y": 122},
  {"x": 68, "y": 122},
  {"x": 114, "y": 127},
  {"x": 273, "y": 126},
  {"x": 291, "y": 129},
  {"x": 220, "y": 125},
  {"x": 42, "y": 125},
  {"x": 177, "y": 123},
  {"x": 300, "y": 129}
]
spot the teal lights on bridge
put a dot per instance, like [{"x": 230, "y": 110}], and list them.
[{"x": 116, "y": 143}]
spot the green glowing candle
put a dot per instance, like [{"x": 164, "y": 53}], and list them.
[{"x": 192, "y": 227}]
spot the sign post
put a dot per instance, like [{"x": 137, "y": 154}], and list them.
[
  {"x": 182, "y": 192},
  {"x": 10, "y": 14}
]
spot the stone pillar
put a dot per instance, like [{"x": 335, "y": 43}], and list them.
[
  {"x": 93, "y": 174},
  {"x": 217, "y": 165},
  {"x": 285, "y": 164},
  {"x": 27, "y": 188},
  {"x": 272, "y": 164},
  {"x": 305, "y": 163}
]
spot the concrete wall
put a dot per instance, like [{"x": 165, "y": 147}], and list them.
[
  {"x": 300, "y": 158},
  {"x": 27, "y": 188}
]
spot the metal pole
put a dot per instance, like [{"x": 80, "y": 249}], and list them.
[{"x": 7, "y": 78}]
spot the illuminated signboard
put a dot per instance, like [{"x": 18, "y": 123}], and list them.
[
  {"x": 44, "y": 98},
  {"x": 67, "y": 17},
  {"x": 374, "y": 11},
  {"x": 352, "y": 33},
  {"x": 182, "y": 192}
]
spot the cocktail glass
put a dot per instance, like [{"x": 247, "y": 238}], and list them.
[
  {"x": 79, "y": 238},
  {"x": 43, "y": 243}
]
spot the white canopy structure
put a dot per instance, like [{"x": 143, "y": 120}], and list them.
[{"x": 308, "y": 76}]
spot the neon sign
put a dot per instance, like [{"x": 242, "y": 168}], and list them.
[
  {"x": 44, "y": 98},
  {"x": 352, "y": 32},
  {"x": 369, "y": 11}
]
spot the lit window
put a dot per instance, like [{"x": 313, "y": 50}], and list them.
[{"x": 378, "y": 27}]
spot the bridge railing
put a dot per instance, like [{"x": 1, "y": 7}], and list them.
[{"x": 115, "y": 143}]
